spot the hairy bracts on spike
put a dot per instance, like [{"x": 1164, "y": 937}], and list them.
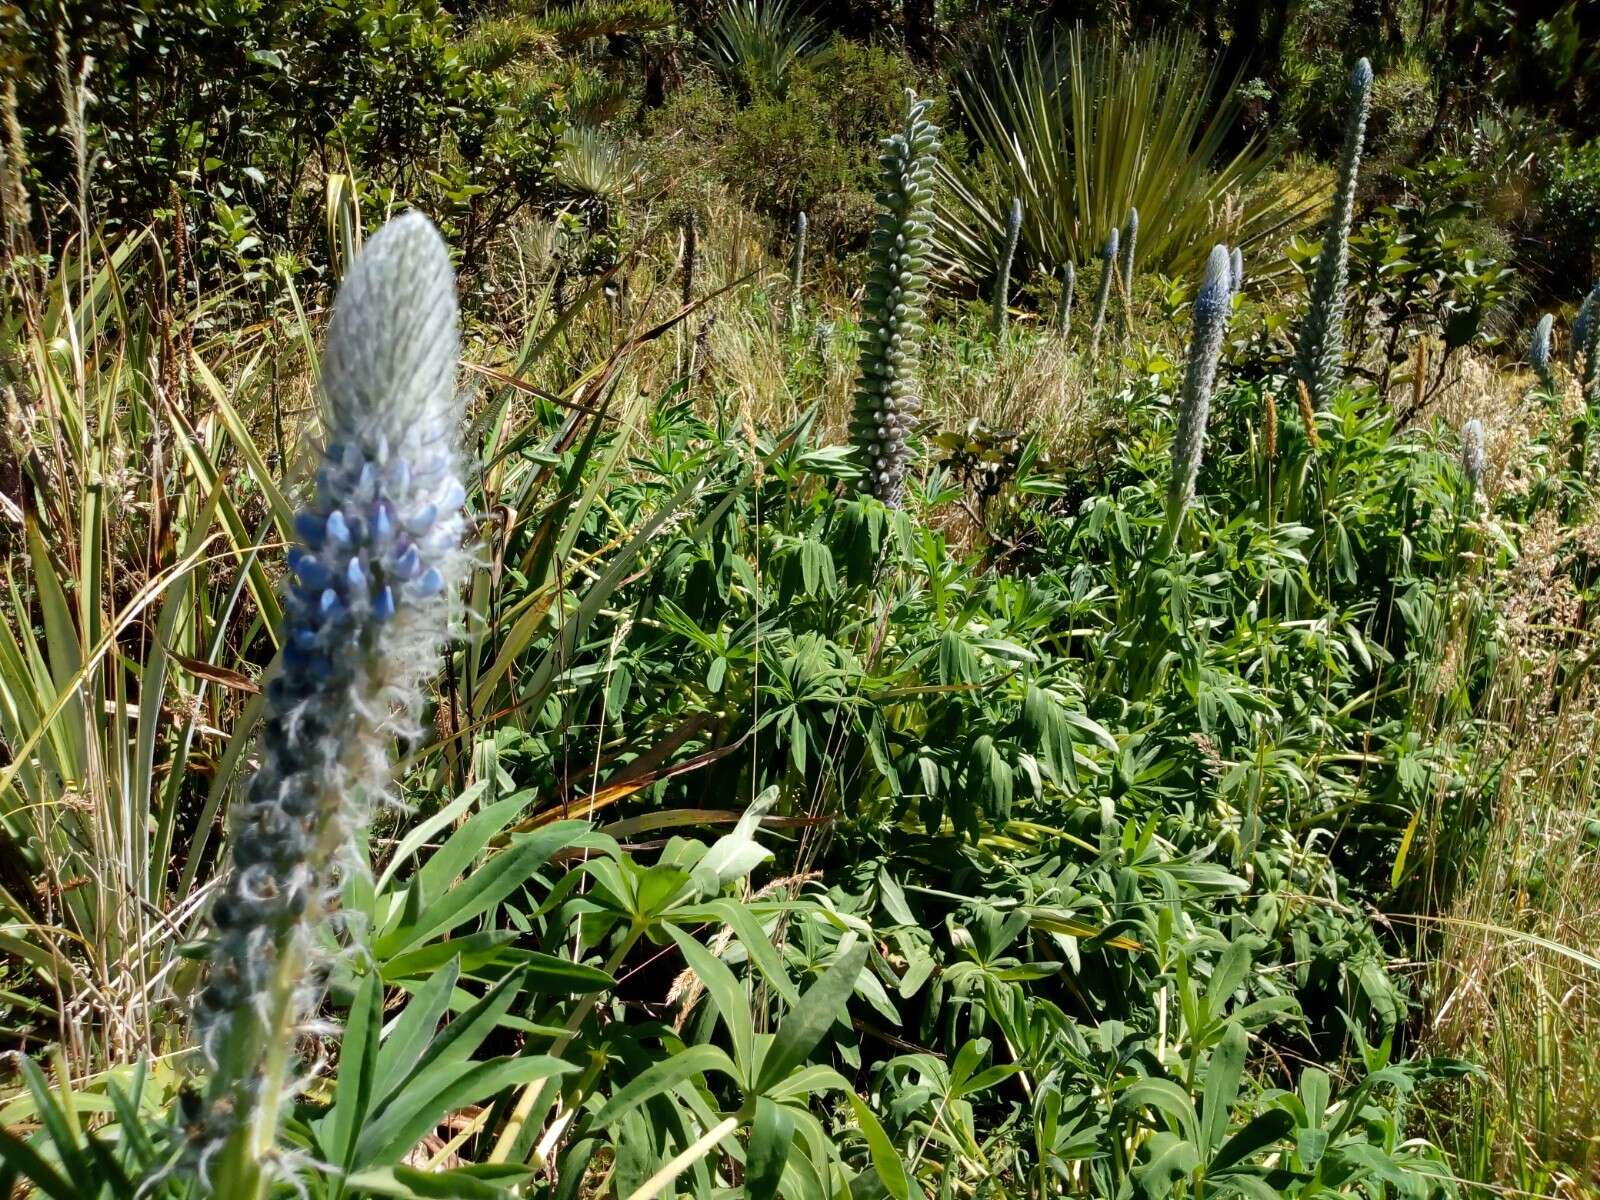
[
  {"x": 377, "y": 562},
  {"x": 1002, "y": 285},
  {"x": 1108, "y": 266},
  {"x": 886, "y": 402},
  {"x": 1212, "y": 306},
  {"x": 1319, "y": 356}
]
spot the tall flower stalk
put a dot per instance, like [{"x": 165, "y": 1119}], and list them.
[
  {"x": 1539, "y": 355},
  {"x": 1236, "y": 270},
  {"x": 1002, "y": 283},
  {"x": 377, "y": 560},
  {"x": 886, "y": 403},
  {"x": 1474, "y": 457},
  {"x": 797, "y": 265},
  {"x": 1130, "y": 245},
  {"x": 1318, "y": 359},
  {"x": 1586, "y": 341},
  {"x": 1108, "y": 268},
  {"x": 1211, "y": 310},
  {"x": 1069, "y": 283}
]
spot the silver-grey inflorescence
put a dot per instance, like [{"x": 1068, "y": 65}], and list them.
[
  {"x": 1069, "y": 283},
  {"x": 1586, "y": 343},
  {"x": 376, "y": 566},
  {"x": 797, "y": 264},
  {"x": 1212, "y": 307},
  {"x": 1474, "y": 458},
  {"x": 1108, "y": 267},
  {"x": 886, "y": 402},
  {"x": 1236, "y": 270},
  {"x": 1002, "y": 284},
  {"x": 1318, "y": 358},
  {"x": 1539, "y": 354},
  {"x": 1130, "y": 245}
]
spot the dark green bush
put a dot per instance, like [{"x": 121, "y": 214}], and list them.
[
  {"x": 1570, "y": 208},
  {"x": 254, "y": 102}
]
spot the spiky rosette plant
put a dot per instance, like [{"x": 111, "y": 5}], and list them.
[
  {"x": 886, "y": 402},
  {"x": 1002, "y": 283},
  {"x": 1108, "y": 267},
  {"x": 376, "y": 565},
  {"x": 1069, "y": 284},
  {"x": 1539, "y": 354},
  {"x": 1319, "y": 356},
  {"x": 1212, "y": 306}
]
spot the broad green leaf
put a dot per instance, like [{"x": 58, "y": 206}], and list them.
[{"x": 823, "y": 1003}]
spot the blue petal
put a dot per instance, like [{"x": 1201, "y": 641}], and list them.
[
  {"x": 431, "y": 583},
  {"x": 330, "y": 602},
  {"x": 338, "y": 531},
  {"x": 354, "y": 573},
  {"x": 382, "y": 526},
  {"x": 383, "y": 604},
  {"x": 422, "y": 520},
  {"x": 408, "y": 564},
  {"x": 454, "y": 495},
  {"x": 309, "y": 568},
  {"x": 310, "y": 528}
]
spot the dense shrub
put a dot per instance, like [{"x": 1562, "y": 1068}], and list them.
[
  {"x": 251, "y": 103},
  {"x": 1570, "y": 208}
]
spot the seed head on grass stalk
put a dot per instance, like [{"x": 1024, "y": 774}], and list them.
[
  {"x": 1211, "y": 308},
  {"x": 886, "y": 402},
  {"x": 1318, "y": 359},
  {"x": 377, "y": 563}
]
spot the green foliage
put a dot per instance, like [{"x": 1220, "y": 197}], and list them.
[
  {"x": 1570, "y": 204},
  {"x": 240, "y": 104},
  {"x": 754, "y": 44},
  {"x": 1084, "y": 127}
]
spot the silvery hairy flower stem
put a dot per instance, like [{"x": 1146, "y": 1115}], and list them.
[
  {"x": 376, "y": 564},
  {"x": 1318, "y": 358},
  {"x": 797, "y": 265},
  {"x": 1539, "y": 354},
  {"x": 1586, "y": 339},
  {"x": 1130, "y": 243},
  {"x": 1002, "y": 283},
  {"x": 1108, "y": 267},
  {"x": 1236, "y": 270},
  {"x": 1069, "y": 283},
  {"x": 1473, "y": 456},
  {"x": 1580, "y": 327},
  {"x": 1212, "y": 307},
  {"x": 886, "y": 402}
]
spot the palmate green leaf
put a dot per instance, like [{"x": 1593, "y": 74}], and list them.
[
  {"x": 358, "y": 1063},
  {"x": 729, "y": 999},
  {"x": 771, "y": 1137},
  {"x": 661, "y": 1076},
  {"x": 804, "y": 1025},
  {"x": 484, "y": 889}
]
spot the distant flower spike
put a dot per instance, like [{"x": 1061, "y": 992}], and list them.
[
  {"x": 1211, "y": 310},
  {"x": 886, "y": 402},
  {"x": 378, "y": 561},
  {"x": 1586, "y": 340},
  {"x": 1236, "y": 270},
  {"x": 1130, "y": 245},
  {"x": 1539, "y": 354},
  {"x": 1002, "y": 285},
  {"x": 1108, "y": 266},
  {"x": 1069, "y": 283},
  {"x": 1581, "y": 326},
  {"x": 1319, "y": 357},
  {"x": 1473, "y": 456},
  {"x": 797, "y": 266}
]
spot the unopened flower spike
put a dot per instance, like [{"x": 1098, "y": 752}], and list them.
[
  {"x": 374, "y": 573},
  {"x": 1212, "y": 306}
]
